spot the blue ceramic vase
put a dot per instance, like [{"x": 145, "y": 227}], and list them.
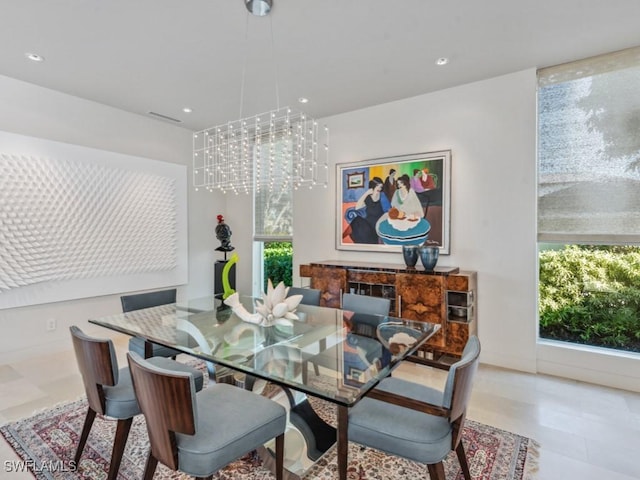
[
  {"x": 429, "y": 256},
  {"x": 410, "y": 254}
]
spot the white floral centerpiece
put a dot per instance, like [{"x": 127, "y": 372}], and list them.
[{"x": 274, "y": 309}]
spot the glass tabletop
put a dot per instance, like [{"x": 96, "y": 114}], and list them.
[{"x": 352, "y": 351}]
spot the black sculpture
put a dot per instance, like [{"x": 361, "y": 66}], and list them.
[{"x": 223, "y": 234}]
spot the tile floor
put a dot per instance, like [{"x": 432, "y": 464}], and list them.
[{"x": 585, "y": 431}]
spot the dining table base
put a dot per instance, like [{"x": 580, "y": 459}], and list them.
[
  {"x": 307, "y": 438},
  {"x": 343, "y": 441}
]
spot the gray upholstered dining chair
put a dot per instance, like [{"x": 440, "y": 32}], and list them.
[
  {"x": 200, "y": 434},
  {"x": 366, "y": 314},
  {"x": 418, "y": 422},
  {"x": 369, "y": 310},
  {"x": 139, "y": 301},
  {"x": 310, "y": 296},
  {"x": 366, "y": 304},
  {"x": 109, "y": 390}
]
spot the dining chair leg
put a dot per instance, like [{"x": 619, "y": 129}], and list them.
[
  {"x": 122, "y": 432},
  {"x": 150, "y": 467},
  {"x": 322, "y": 346},
  {"x": 148, "y": 349},
  {"x": 462, "y": 458},
  {"x": 436, "y": 471},
  {"x": 280, "y": 457},
  {"x": 249, "y": 382},
  {"x": 88, "y": 422}
]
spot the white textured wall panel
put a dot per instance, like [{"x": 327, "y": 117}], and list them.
[{"x": 73, "y": 216}]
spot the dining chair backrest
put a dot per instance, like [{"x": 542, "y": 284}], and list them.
[
  {"x": 98, "y": 366},
  {"x": 368, "y": 312},
  {"x": 167, "y": 400},
  {"x": 310, "y": 296},
  {"x": 457, "y": 390},
  {"x": 139, "y": 301},
  {"x": 366, "y": 304}
]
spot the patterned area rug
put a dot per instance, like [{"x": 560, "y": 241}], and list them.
[{"x": 46, "y": 443}]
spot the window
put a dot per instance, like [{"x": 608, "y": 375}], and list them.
[
  {"x": 273, "y": 218},
  {"x": 589, "y": 150},
  {"x": 589, "y": 200}
]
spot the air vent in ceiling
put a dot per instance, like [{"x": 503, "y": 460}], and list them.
[{"x": 164, "y": 117}]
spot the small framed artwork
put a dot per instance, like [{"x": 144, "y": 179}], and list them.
[
  {"x": 355, "y": 180},
  {"x": 388, "y": 202}
]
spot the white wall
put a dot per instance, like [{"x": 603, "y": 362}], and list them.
[
  {"x": 39, "y": 112},
  {"x": 490, "y": 128}
]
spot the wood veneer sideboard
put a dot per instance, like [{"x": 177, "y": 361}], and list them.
[{"x": 446, "y": 296}]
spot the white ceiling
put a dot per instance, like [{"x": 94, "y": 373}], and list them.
[{"x": 163, "y": 55}]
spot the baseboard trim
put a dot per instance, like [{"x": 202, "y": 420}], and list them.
[{"x": 592, "y": 365}]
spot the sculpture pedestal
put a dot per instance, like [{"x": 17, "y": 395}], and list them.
[{"x": 218, "y": 289}]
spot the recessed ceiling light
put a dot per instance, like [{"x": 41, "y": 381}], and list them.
[
  {"x": 442, "y": 61},
  {"x": 187, "y": 110},
  {"x": 303, "y": 100},
  {"x": 34, "y": 57}
]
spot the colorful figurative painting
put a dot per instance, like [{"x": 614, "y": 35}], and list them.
[{"x": 389, "y": 202}]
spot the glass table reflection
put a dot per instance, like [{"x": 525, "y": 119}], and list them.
[{"x": 352, "y": 352}]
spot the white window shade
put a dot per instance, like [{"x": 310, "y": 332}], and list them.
[
  {"x": 273, "y": 205},
  {"x": 589, "y": 150}
]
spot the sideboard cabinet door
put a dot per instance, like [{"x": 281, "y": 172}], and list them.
[
  {"x": 331, "y": 282},
  {"x": 422, "y": 297}
]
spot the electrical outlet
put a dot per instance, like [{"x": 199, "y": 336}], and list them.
[{"x": 51, "y": 324}]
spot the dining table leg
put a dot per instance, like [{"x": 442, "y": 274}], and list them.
[{"x": 343, "y": 441}]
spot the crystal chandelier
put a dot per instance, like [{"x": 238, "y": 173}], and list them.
[{"x": 279, "y": 149}]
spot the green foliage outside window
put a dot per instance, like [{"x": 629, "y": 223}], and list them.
[
  {"x": 278, "y": 263},
  {"x": 591, "y": 295}
]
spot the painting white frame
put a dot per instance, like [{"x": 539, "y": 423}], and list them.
[{"x": 438, "y": 211}]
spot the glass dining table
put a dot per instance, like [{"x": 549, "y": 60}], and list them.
[{"x": 331, "y": 354}]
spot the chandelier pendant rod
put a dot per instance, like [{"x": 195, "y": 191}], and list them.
[
  {"x": 275, "y": 65},
  {"x": 244, "y": 64}
]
